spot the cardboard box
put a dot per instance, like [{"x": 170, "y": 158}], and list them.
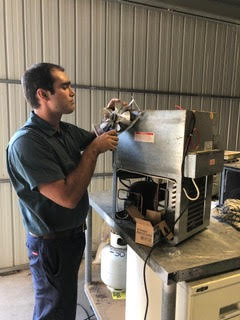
[{"x": 149, "y": 229}]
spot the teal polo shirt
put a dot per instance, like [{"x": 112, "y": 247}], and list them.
[{"x": 37, "y": 153}]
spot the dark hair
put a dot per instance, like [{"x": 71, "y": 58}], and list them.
[{"x": 38, "y": 76}]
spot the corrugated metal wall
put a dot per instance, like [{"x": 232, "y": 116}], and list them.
[{"x": 163, "y": 59}]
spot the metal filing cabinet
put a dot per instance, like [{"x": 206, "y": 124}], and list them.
[{"x": 214, "y": 298}]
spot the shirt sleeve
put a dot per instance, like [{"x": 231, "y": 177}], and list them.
[
  {"x": 34, "y": 161},
  {"x": 84, "y": 137}
]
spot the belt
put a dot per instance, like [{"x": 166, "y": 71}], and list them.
[{"x": 61, "y": 234}]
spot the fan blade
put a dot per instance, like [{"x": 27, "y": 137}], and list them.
[{"x": 125, "y": 118}]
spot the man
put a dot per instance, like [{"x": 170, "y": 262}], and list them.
[{"x": 50, "y": 164}]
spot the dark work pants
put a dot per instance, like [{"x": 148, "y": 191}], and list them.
[{"x": 54, "y": 266}]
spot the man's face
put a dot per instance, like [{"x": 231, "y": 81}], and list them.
[{"x": 62, "y": 101}]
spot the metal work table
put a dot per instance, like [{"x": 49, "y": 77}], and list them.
[{"x": 213, "y": 251}]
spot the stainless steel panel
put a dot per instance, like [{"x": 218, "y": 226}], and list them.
[
  {"x": 155, "y": 145},
  {"x": 203, "y": 163},
  {"x": 163, "y": 155}
]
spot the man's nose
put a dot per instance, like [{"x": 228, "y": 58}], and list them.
[{"x": 72, "y": 92}]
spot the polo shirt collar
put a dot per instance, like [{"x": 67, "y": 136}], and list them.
[{"x": 35, "y": 121}]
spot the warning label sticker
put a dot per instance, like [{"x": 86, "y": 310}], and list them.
[{"x": 144, "y": 136}]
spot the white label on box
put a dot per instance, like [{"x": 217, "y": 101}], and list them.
[{"x": 144, "y": 136}]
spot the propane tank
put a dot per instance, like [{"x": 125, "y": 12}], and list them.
[{"x": 113, "y": 263}]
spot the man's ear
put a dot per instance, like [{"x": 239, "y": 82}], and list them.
[{"x": 42, "y": 94}]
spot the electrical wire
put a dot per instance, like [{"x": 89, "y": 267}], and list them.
[
  {"x": 148, "y": 256},
  {"x": 144, "y": 277},
  {"x": 85, "y": 310},
  {"x": 197, "y": 189},
  {"x": 89, "y": 317},
  {"x": 125, "y": 185}
]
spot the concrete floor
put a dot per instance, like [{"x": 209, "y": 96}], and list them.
[{"x": 17, "y": 300}]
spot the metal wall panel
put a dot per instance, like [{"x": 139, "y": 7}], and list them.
[
  {"x": 165, "y": 39},
  {"x": 67, "y": 37},
  {"x": 139, "y": 50},
  {"x": 176, "y": 53},
  {"x": 186, "y": 66},
  {"x": 3, "y": 55},
  {"x": 16, "y": 108},
  {"x": 50, "y": 31},
  {"x": 163, "y": 59},
  {"x": 18, "y": 233},
  {"x": 152, "y": 50},
  {"x": 83, "y": 42},
  {"x": 98, "y": 42},
  {"x": 6, "y": 234},
  {"x": 14, "y": 38},
  {"x": 126, "y": 46},
  {"x": 32, "y": 26},
  {"x": 199, "y": 52},
  {"x": 112, "y": 44},
  {"x": 4, "y": 130}
]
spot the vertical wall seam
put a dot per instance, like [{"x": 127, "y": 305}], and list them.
[
  {"x": 8, "y": 112},
  {"x": 41, "y": 28},
  {"x": 193, "y": 64},
  {"x": 204, "y": 61},
  {"x": 59, "y": 32},
  {"x": 120, "y": 41},
  {"x": 159, "y": 54},
  {"x": 146, "y": 54},
  {"x": 75, "y": 50},
  {"x": 5, "y": 36},
  {"x": 91, "y": 45},
  {"x": 133, "y": 44}
]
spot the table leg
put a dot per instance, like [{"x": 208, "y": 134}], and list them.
[
  {"x": 168, "y": 301},
  {"x": 88, "y": 249}
]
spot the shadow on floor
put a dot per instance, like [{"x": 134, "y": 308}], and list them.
[{"x": 16, "y": 297}]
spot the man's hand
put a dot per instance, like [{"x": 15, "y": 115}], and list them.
[
  {"x": 112, "y": 102},
  {"x": 106, "y": 141}
]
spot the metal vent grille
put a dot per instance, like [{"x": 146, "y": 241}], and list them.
[
  {"x": 172, "y": 188},
  {"x": 196, "y": 208}
]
